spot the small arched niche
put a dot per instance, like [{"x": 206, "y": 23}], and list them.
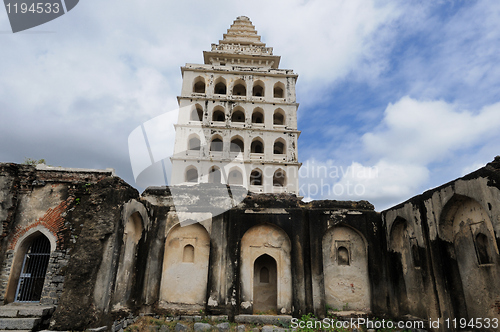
[
  {"x": 220, "y": 86},
  {"x": 199, "y": 85},
  {"x": 191, "y": 174},
  {"x": 196, "y": 113},
  {"x": 279, "y": 117},
  {"x": 214, "y": 175},
  {"x": 235, "y": 177},
  {"x": 218, "y": 115},
  {"x": 257, "y": 146},
  {"x": 237, "y": 145},
  {"x": 194, "y": 143},
  {"x": 238, "y": 115},
  {"x": 258, "y": 89},
  {"x": 279, "y": 178},
  {"x": 483, "y": 249},
  {"x": 239, "y": 88},
  {"x": 216, "y": 144},
  {"x": 256, "y": 177},
  {"x": 279, "y": 146},
  {"x": 258, "y": 116},
  {"x": 343, "y": 257},
  {"x": 278, "y": 91}
]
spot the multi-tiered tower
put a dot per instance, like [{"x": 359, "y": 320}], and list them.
[{"x": 238, "y": 117}]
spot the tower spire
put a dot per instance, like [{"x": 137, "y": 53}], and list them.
[{"x": 242, "y": 45}]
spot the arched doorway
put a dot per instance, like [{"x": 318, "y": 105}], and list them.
[
  {"x": 35, "y": 262},
  {"x": 265, "y": 256},
  {"x": 265, "y": 285}
]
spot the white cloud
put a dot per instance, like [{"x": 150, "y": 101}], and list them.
[
  {"x": 421, "y": 132},
  {"x": 383, "y": 184},
  {"x": 412, "y": 135}
]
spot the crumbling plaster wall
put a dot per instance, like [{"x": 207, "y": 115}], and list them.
[
  {"x": 185, "y": 268},
  {"x": 323, "y": 216},
  {"x": 345, "y": 270}
]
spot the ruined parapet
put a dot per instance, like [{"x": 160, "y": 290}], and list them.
[{"x": 443, "y": 248}]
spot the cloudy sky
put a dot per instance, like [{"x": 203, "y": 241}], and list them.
[{"x": 396, "y": 97}]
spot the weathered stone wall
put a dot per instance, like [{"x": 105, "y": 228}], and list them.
[
  {"x": 35, "y": 201},
  {"x": 114, "y": 252},
  {"x": 443, "y": 249}
]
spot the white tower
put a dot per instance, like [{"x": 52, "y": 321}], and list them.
[{"x": 238, "y": 117}]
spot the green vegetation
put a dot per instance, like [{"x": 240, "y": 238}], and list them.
[{"x": 33, "y": 162}]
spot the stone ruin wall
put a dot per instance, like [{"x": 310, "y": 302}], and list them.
[{"x": 118, "y": 252}]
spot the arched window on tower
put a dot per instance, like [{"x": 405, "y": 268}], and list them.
[
  {"x": 197, "y": 114},
  {"x": 194, "y": 144},
  {"x": 257, "y": 146},
  {"x": 216, "y": 144},
  {"x": 214, "y": 175},
  {"x": 258, "y": 115},
  {"x": 192, "y": 175},
  {"x": 279, "y": 178},
  {"x": 218, "y": 115},
  {"x": 236, "y": 145},
  {"x": 220, "y": 86},
  {"x": 278, "y": 90},
  {"x": 256, "y": 177},
  {"x": 235, "y": 177},
  {"x": 258, "y": 89},
  {"x": 279, "y": 117},
  {"x": 279, "y": 147},
  {"x": 199, "y": 85},
  {"x": 238, "y": 116},
  {"x": 239, "y": 88}
]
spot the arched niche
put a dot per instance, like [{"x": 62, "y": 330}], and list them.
[
  {"x": 126, "y": 275},
  {"x": 199, "y": 85},
  {"x": 220, "y": 86},
  {"x": 185, "y": 267},
  {"x": 405, "y": 261},
  {"x": 235, "y": 177},
  {"x": 196, "y": 113},
  {"x": 345, "y": 269},
  {"x": 470, "y": 258},
  {"x": 262, "y": 241}
]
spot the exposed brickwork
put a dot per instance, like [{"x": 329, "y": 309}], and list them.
[{"x": 53, "y": 220}]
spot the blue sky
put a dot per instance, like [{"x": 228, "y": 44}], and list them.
[{"x": 396, "y": 96}]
